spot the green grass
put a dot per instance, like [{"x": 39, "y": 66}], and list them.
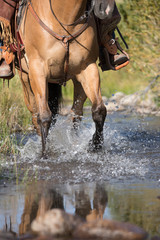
[
  {"x": 13, "y": 113},
  {"x": 122, "y": 81}
]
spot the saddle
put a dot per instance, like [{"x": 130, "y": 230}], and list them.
[{"x": 11, "y": 13}]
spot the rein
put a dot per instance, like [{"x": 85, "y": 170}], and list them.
[
  {"x": 86, "y": 15},
  {"x": 65, "y": 39}
]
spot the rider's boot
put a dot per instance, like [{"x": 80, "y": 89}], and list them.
[
  {"x": 5, "y": 69},
  {"x": 6, "y": 58},
  {"x": 110, "y": 58}
]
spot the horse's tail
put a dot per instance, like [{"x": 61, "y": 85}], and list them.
[{"x": 54, "y": 97}]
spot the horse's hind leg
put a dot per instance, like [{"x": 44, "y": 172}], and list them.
[
  {"x": 90, "y": 81},
  {"x": 78, "y": 101},
  {"x": 54, "y": 99}
]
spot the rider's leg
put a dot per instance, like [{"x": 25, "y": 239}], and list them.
[
  {"x": 109, "y": 56},
  {"x": 5, "y": 69},
  {"x": 7, "y": 11}
]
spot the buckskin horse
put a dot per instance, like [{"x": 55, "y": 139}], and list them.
[{"x": 60, "y": 39}]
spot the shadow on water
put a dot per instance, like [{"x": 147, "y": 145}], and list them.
[{"x": 121, "y": 182}]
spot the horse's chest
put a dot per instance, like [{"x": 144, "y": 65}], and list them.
[{"x": 62, "y": 61}]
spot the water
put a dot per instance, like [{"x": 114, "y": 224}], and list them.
[
  {"x": 121, "y": 182},
  {"x": 131, "y": 151},
  {"x": 137, "y": 203}
]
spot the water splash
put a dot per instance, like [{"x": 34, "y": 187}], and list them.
[{"x": 129, "y": 152}]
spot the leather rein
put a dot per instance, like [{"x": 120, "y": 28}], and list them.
[{"x": 65, "y": 39}]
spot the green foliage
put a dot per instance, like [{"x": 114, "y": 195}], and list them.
[{"x": 140, "y": 25}]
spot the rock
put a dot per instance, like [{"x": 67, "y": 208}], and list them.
[
  {"x": 148, "y": 103},
  {"x": 158, "y": 113},
  {"x": 117, "y": 96},
  {"x": 143, "y": 111},
  {"x": 104, "y": 98},
  {"x": 54, "y": 222},
  {"x": 110, "y": 230},
  {"x": 130, "y": 100},
  {"x": 111, "y": 107}
]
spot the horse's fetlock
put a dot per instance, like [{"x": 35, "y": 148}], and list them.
[{"x": 99, "y": 114}]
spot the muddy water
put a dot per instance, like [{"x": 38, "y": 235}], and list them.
[{"x": 121, "y": 182}]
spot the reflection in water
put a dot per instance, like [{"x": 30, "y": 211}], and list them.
[
  {"x": 37, "y": 203},
  {"x": 137, "y": 204}
]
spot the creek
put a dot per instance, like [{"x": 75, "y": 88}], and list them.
[{"x": 120, "y": 182}]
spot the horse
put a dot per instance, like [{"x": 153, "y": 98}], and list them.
[{"x": 60, "y": 39}]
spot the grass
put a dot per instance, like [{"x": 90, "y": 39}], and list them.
[{"x": 13, "y": 114}]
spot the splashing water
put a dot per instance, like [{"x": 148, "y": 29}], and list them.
[{"x": 131, "y": 151}]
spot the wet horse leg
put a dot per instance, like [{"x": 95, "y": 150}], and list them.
[
  {"x": 40, "y": 89},
  {"x": 78, "y": 101},
  {"x": 90, "y": 81}
]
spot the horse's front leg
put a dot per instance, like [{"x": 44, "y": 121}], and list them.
[
  {"x": 90, "y": 81},
  {"x": 39, "y": 87}
]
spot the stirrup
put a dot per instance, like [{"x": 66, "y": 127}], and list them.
[
  {"x": 108, "y": 53},
  {"x": 106, "y": 64}
]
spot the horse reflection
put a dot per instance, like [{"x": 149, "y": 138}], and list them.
[
  {"x": 84, "y": 208},
  {"x": 37, "y": 204}
]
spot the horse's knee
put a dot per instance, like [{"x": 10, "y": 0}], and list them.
[
  {"x": 44, "y": 118},
  {"x": 99, "y": 114}
]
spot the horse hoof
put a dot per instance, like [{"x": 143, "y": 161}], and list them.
[
  {"x": 94, "y": 147},
  {"x": 44, "y": 155}
]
